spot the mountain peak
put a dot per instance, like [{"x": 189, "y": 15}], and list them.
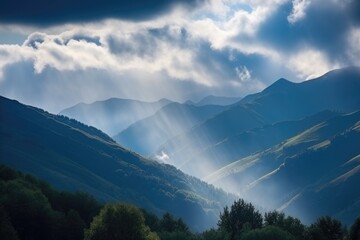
[{"x": 281, "y": 84}]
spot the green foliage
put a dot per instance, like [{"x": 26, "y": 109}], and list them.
[
  {"x": 119, "y": 221},
  {"x": 168, "y": 227},
  {"x": 267, "y": 233},
  {"x": 289, "y": 224},
  {"x": 7, "y": 230},
  {"x": 86, "y": 205},
  {"x": 355, "y": 230},
  {"x": 232, "y": 221},
  {"x": 7, "y": 174},
  {"x": 169, "y": 224},
  {"x": 326, "y": 228},
  {"x": 73, "y": 226},
  {"x": 176, "y": 236},
  {"x": 70, "y": 154},
  {"x": 31, "y": 209},
  {"x": 214, "y": 234},
  {"x": 151, "y": 220}
]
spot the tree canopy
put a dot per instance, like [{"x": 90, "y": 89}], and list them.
[
  {"x": 240, "y": 214},
  {"x": 119, "y": 221},
  {"x": 326, "y": 228},
  {"x": 31, "y": 209},
  {"x": 355, "y": 230}
]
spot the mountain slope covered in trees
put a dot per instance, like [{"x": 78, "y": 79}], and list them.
[
  {"x": 32, "y": 209},
  {"x": 72, "y": 156}
]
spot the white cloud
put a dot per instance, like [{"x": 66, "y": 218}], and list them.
[
  {"x": 243, "y": 73},
  {"x": 10, "y": 54},
  {"x": 309, "y": 63},
  {"x": 164, "y": 158},
  {"x": 215, "y": 47},
  {"x": 298, "y": 11},
  {"x": 353, "y": 50},
  {"x": 222, "y": 32},
  {"x": 65, "y": 51},
  {"x": 61, "y": 49}
]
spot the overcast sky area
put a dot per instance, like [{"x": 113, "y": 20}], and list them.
[{"x": 54, "y": 55}]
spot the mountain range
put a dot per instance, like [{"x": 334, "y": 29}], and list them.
[
  {"x": 72, "y": 156},
  {"x": 113, "y": 115},
  {"x": 146, "y": 136},
  {"x": 336, "y": 91},
  {"x": 294, "y": 147},
  {"x": 311, "y": 174}
]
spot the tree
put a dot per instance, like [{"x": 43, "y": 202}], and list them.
[
  {"x": 7, "y": 230},
  {"x": 29, "y": 210},
  {"x": 214, "y": 234},
  {"x": 119, "y": 221},
  {"x": 289, "y": 224},
  {"x": 171, "y": 228},
  {"x": 73, "y": 226},
  {"x": 326, "y": 228},
  {"x": 268, "y": 233},
  {"x": 169, "y": 224},
  {"x": 151, "y": 220},
  {"x": 355, "y": 230},
  {"x": 232, "y": 221},
  {"x": 274, "y": 218}
]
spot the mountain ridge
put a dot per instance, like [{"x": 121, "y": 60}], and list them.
[
  {"x": 336, "y": 91},
  {"x": 114, "y": 114},
  {"x": 217, "y": 100},
  {"x": 74, "y": 158},
  {"x": 304, "y": 169}
]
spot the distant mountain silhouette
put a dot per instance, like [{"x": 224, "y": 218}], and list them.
[
  {"x": 113, "y": 115},
  {"x": 73, "y": 156},
  {"x": 146, "y": 136},
  {"x": 337, "y": 91},
  {"x": 217, "y": 100}
]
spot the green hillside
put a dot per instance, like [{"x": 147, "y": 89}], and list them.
[{"x": 72, "y": 156}]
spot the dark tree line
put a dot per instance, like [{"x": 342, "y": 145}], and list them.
[
  {"x": 243, "y": 222},
  {"x": 32, "y": 210}
]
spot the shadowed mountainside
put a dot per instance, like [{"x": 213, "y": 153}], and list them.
[
  {"x": 72, "y": 156},
  {"x": 217, "y": 100}
]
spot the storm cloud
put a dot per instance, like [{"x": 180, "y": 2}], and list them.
[{"x": 43, "y": 12}]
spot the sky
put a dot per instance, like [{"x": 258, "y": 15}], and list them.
[{"x": 56, "y": 55}]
